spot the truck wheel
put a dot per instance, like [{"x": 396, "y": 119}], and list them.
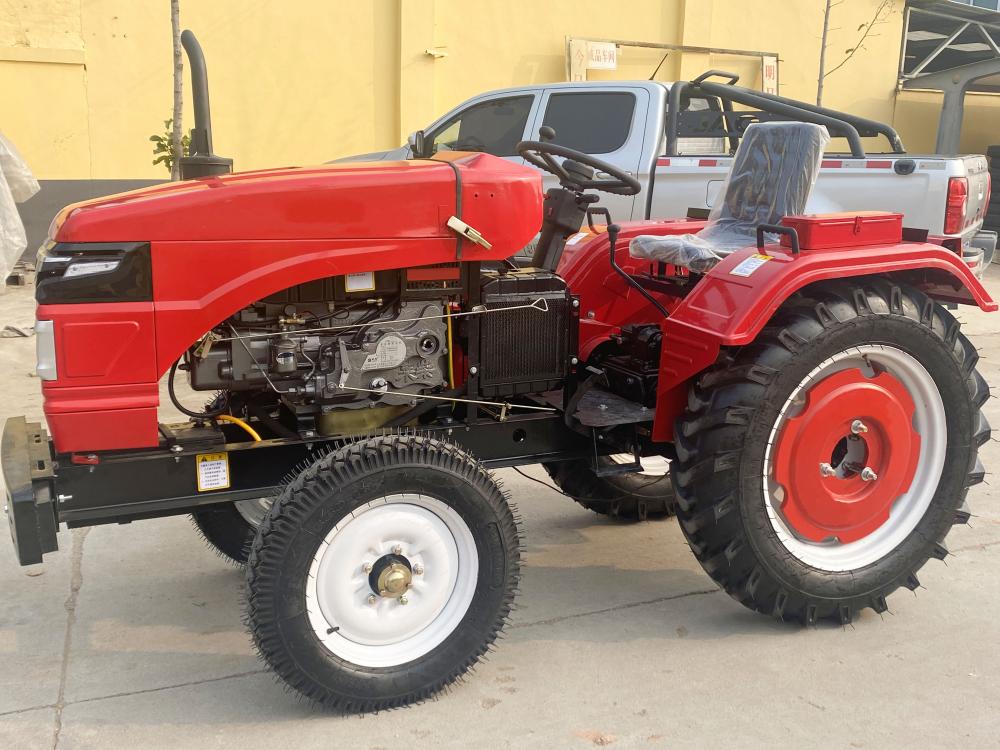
[
  {"x": 383, "y": 573},
  {"x": 637, "y": 496},
  {"x": 822, "y": 465},
  {"x": 230, "y": 527}
]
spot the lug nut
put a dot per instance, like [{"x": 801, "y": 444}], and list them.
[
  {"x": 826, "y": 470},
  {"x": 372, "y": 599},
  {"x": 418, "y": 569},
  {"x": 868, "y": 475},
  {"x": 367, "y": 567},
  {"x": 403, "y": 600},
  {"x": 857, "y": 427},
  {"x": 397, "y": 550}
]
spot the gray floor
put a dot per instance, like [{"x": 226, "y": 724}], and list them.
[{"x": 130, "y": 636}]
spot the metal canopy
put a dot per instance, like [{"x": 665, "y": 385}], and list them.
[{"x": 951, "y": 47}]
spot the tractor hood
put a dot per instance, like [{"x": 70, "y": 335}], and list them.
[{"x": 386, "y": 199}]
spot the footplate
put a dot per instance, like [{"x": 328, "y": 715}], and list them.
[{"x": 27, "y": 471}]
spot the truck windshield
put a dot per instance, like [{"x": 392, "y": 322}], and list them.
[{"x": 494, "y": 127}]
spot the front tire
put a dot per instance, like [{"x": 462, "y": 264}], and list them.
[
  {"x": 821, "y": 466},
  {"x": 383, "y": 573},
  {"x": 229, "y": 528}
]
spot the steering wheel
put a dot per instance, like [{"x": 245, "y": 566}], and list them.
[{"x": 539, "y": 154}]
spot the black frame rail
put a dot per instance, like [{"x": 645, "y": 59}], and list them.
[{"x": 123, "y": 486}]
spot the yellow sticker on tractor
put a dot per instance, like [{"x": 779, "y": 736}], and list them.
[
  {"x": 748, "y": 265},
  {"x": 213, "y": 471}
]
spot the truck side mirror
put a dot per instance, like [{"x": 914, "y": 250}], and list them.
[{"x": 418, "y": 145}]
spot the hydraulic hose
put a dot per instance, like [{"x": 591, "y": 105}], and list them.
[
  {"x": 240, "y": 423},
  {"x": 189, "y": 412}
]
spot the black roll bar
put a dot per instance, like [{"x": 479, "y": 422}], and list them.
[{"x": 838, "y": 123}]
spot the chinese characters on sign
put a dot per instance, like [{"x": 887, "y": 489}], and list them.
[
  {"x": 602, "y": 56},
  {"x": 769, "y": 74},
  {"x": 585, "y": 55}
]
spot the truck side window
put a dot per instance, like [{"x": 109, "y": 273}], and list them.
[
  {"x": 493, "y": 127},
  {"x": 595, "y": 123}
]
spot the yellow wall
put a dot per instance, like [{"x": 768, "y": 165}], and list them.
[{"x": 86, "y": 82}]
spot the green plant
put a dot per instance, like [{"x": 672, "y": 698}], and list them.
[{"x": 164, "y": 148}]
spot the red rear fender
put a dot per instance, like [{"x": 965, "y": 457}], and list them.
[{"x": 729, "y": 307}]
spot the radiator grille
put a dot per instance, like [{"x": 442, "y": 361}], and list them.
[{"x": 523, "y": 351}]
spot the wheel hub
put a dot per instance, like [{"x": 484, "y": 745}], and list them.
[
  {"x": 391, "y": 576},
  {"x": 848, "y": 454}
]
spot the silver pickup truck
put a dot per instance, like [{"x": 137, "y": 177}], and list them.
[{"x": 678, "y": 139}]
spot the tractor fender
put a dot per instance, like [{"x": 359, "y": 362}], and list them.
[{"x": 737, "y": 298}]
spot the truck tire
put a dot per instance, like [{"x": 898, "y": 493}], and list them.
[
  {"x": 819, "y": 467},
  {"x": 229, "y": 528},
  {"x": 383, "y": 573},
  {"x": 637, "y": 496}
]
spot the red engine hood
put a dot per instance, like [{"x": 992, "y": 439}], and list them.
[{"x": 399, "y": 199}]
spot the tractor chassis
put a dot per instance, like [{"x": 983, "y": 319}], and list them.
[{"x": 45, "y": 490}]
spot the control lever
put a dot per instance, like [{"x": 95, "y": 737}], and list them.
[{"x": 613, "y": 230}]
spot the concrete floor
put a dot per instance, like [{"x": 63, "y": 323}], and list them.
[{"x": 130, "y": 636}]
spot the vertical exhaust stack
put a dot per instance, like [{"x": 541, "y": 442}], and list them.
[{"x": 201, "y": 162}]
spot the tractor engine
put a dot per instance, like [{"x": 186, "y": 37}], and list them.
[
  {"x": 339, "y": 359},
  {"x": 325, "y": 352}
]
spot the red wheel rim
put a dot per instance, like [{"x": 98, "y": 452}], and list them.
[{"x": 846, "y": 456}]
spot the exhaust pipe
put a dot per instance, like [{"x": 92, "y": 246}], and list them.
[{"x": 201, "y": 162}]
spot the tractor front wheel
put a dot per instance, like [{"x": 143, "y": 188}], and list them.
[
  {"x": 822, "y": 465},
  {"x": 383, "y": 573},
  {"x": 229, "y": 528}
]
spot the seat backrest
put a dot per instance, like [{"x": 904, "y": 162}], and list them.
[{"x": 772, "y": 174}]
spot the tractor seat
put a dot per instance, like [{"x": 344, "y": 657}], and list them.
[{"x": 771, "y": 177}]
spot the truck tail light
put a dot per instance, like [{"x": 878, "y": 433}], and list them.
[{"x": 955, "y": 205}]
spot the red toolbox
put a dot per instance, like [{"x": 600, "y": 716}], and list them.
[{"x": 846, "y": 229}]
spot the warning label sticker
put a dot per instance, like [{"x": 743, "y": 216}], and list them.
[
  {"x": 578, "y": 237},
  {"x": 747, "y": 266},
  {"x": 213, "y": 471},
  {"x": 390, "y": 352},
  {"x": 360, "y": 282}
]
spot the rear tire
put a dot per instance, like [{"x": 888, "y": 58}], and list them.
[
  {"x": 813, "y": 539},
  {"x": 410, "y": 507},
  {"x": 636, "y": 496}
]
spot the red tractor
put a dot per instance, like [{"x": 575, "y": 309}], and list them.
[{"x": 371, "y": 351}]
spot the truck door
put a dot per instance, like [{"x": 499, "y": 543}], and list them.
[
  {"x": 492, "y": 125},
  {"x": 608, "y": 123}
]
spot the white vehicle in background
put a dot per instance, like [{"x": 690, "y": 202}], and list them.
[{"x": 678, "y": 140}]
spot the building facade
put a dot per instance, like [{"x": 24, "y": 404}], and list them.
[{"x": 86, "y": 82}]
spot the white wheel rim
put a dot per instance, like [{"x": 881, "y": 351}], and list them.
[
  {"x": 254, "y": 511},
  {"x": 385, "y": 632},
  {"x": 652, "y": 466},
  {"x": 907, "y": 510}
]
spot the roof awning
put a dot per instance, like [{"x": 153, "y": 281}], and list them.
[{"x": 948, "y": 36}]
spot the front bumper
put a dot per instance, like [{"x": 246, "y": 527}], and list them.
[{"x": 27, "y": 473}]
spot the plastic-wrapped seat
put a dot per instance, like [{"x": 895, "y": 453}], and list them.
[{"x": 772, "y": 175}]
